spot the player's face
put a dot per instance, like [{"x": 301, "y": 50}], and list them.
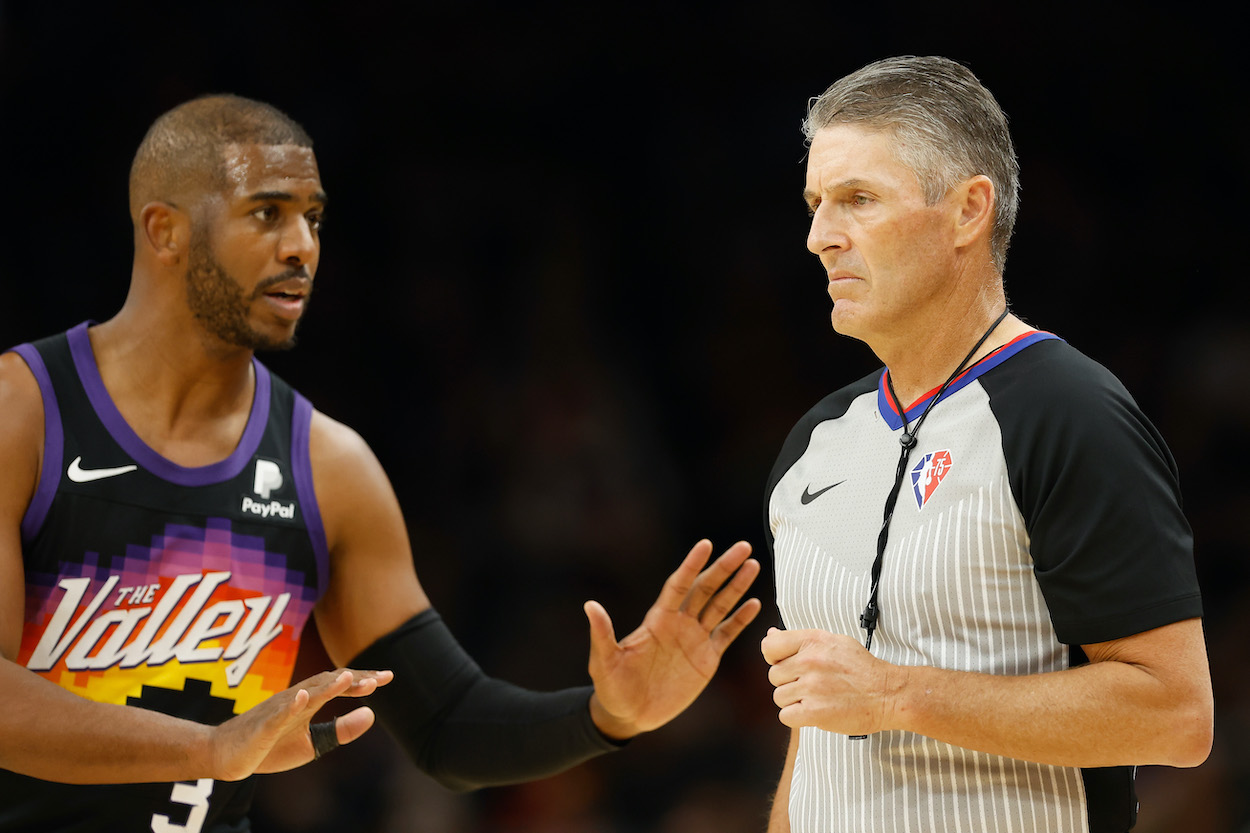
[
  {"x": 255, "y": 248},
  {"x": 886, "y": 253}
]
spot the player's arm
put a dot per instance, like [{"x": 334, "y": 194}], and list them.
[
  {"x": 779, "y": 816},
  {"x": 461, "y": 726},
  {"x": 1144, "y": 699},
  {"x": 50, "y": 733},
  {"x": 457, "y": 723}
]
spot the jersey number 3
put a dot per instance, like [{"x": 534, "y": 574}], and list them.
[{"x": 193, "y": 795}]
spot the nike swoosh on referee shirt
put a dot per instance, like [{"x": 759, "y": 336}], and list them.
[
  {"x": 809, "y": 496},
  {"x": 80, "y": 475}
]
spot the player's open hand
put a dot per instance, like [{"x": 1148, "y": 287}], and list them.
[
  {"x": 652, "y": 675},
  {"x": 274, "y": 735}
]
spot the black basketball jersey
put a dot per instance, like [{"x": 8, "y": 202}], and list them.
[{"x": 181, "y": 590}]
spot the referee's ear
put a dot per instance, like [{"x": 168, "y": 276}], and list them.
[{"x": 974, "y": 224}]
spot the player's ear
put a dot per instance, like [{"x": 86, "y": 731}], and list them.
[
  {"x": 975, "y": 198},
  {"x": 165, "y": 230}
]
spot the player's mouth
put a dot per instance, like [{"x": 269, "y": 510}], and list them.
[{"x": 289, "y": 298}]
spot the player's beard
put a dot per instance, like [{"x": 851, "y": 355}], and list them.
[{"x": 218, "y": 303}]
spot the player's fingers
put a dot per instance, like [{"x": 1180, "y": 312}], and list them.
[
  {"x": 365, "y": 683},
  {"x": 352, "y": 725},
  {"x": 602, "y": 634},
  {"x": 344, "y": 682},
  {"x": 325, "y": 686},
  {"x": 299, "y": 702},
  {"x": 726, "y": 632},
  {"x": 724, "y": 600},
  {"x": 677, "y": 586},
  {"x": 241, "y": 743},
  {"x": 711, "y": 579}
]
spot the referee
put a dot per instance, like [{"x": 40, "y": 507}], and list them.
[{"x": 986, "y": 580}]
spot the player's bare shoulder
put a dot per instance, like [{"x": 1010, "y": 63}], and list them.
[
  {"x": 373, "y": 584},
  {"x": 19, "y": 392},
  {"x": 21, "y": 425},
  {"x": 21, "y": 456},
  {"x": 337, "y": 450},
  {"x": 351, "y": 485}
]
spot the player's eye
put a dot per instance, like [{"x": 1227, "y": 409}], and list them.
[
  {"x": 316, "y": 220},
  {"x": 266, "y": 213}
]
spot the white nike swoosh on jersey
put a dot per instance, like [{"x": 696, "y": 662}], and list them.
[{"x": 81, "y": 475}]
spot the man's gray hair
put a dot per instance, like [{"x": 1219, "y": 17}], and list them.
[{"x": 946, "y": 127}]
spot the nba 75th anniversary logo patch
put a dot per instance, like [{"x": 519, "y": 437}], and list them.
[{"x": 928, "y": 475}]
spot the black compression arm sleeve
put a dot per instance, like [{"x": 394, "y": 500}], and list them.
[{"x": 468, "y": 730}]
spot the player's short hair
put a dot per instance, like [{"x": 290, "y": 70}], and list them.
[
  {"x": 186, "y": 145},
  {"x": 946, "y": 128}
]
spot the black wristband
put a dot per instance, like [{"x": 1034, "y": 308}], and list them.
[
  {"x": 325, "y": 738},
  {"x": 468, "y": 730}
]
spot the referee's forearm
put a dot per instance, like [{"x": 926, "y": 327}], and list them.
[{"x": 1107, "y": 713}]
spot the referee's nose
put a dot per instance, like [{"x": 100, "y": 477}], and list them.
[{"x": 826, "y": 234}]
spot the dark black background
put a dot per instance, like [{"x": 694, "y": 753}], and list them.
[{"x": 565, "y": 296}]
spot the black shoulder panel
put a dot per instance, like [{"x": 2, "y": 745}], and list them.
[{"x": 1099, "y": 493}]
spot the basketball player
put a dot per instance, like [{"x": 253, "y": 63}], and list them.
[
  {"x": 983, "y": 569},
  {"x": 175, "y": 512}
]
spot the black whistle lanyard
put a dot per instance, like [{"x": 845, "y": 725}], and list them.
[{"x": 868, "y": 619}]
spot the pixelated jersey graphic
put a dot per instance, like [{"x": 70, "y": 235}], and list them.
[
  {"x": 928, "y": 474},
  {"x": 203, "y": 604}
]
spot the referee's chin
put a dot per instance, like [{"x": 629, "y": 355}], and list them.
[{"x": 846, "y": 320}]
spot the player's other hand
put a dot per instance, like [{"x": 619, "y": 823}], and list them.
[
  {"x": 274, "y": 736},
  {"x": 654, "y": 673}
]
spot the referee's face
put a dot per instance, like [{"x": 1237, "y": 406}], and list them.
[{"x": 888, "y": 255}]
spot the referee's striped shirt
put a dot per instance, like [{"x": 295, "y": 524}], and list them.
[{"x": 1040, "y": 511}]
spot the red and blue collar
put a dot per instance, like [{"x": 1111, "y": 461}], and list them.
[{"x": 885, "y": 403}]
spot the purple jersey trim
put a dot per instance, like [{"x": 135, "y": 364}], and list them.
[
  {"x": 301, "y": 424},
  {"x": 143, "y": 454},
  {"x": 886, "y": 407},
  {"x": 53, "y": 445}
]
